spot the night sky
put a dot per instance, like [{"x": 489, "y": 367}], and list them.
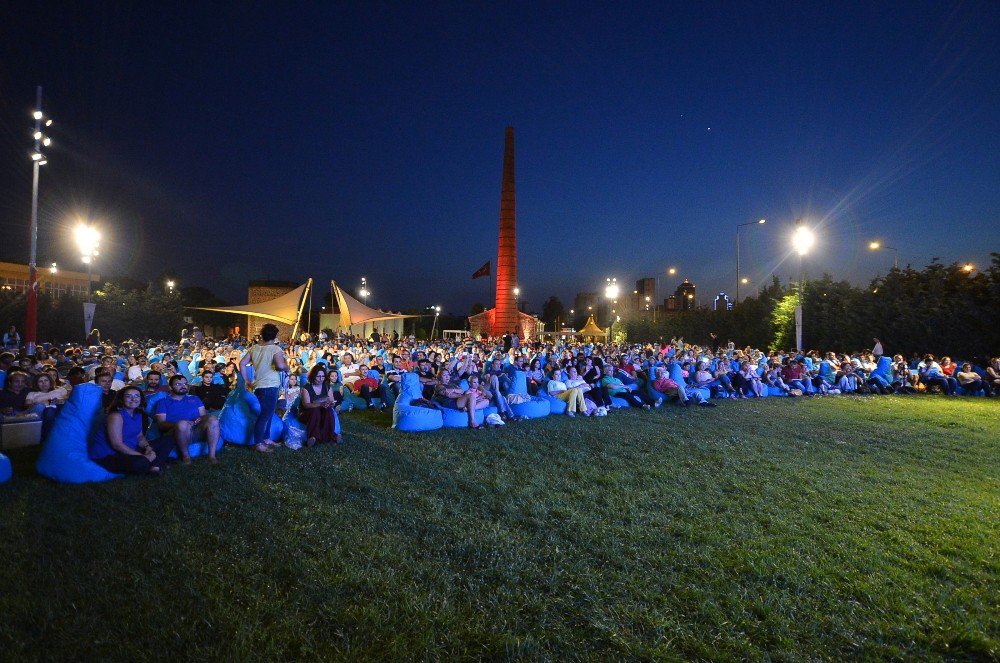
[{"x": 366, "y": 139}]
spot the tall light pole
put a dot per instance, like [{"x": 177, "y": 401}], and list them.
[
  {"x": 875, "y": 246},
  {"x": 437, "y": 312},
  {"x": 738, "y": 226},
  {"x": 802, "y": 241},
  {"x": 611, "y": 292},
  {"x": 38, "y": 160},
  {"x": 88, "y": 239}
]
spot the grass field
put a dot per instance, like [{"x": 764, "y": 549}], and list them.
[{"x": 833, "y": 528}]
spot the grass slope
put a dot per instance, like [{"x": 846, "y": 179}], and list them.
[{"x": 841, "y": 527}]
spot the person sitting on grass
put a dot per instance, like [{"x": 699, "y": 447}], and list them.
[
  {"x": 182, "y": 415},
  {"x": 104, "y": 379},
  {"x": 969, "y": 380},
  {"x": 752, "y": 383},
  {"x": 931, "y": 375},
  {"x": 453, "y": 396},
  {"x": 45, "y": 398},
  {"x": 993, "y": 376},
  {"x": 617, "y": 388},
  {"x": 212, "y": 395},
  {"x": 319, "y": 408},
  {"x": 366, "y": 387},
  {"x": 15, "y": 393},
  {"x": 120, "y": 446},
  {"x": 572, "y": 396}
]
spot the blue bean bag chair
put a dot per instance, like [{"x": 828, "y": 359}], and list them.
[
  {"x": 291, "y": 419},
  {"x": 5, "y": 471},
  {"x": 453, "y": 418},
  {"x": 535, "y": 407},
  {"x": 413, "y": 418},
  {"x": 677, "y": 375},
  {"x": 64, "y": 453},
  {"x": 239, "y": 415}
]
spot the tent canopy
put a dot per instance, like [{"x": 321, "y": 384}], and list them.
[
  {"x": 353, "y": 312},
  {"x": 282, "y": 309},
  {"x": 591, "y": 329}
]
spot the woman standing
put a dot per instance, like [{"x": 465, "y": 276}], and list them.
[{"x": 267, "y": 359}]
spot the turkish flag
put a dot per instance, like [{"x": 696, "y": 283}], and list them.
[{"x": 482, "y": 271}]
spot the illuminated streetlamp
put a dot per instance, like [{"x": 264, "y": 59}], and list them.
[
  {"x": 437, "y": 312},
  {"x": 738, "y": 226},
  {"x": 517, "y": 295},
  {"x": 53, "y": 269},
  {"x": 37, "y": 161},
  {"x": 88, "y": 239},
  {"x": 611, "y": 292},
  {"x": 170, "y": 285},
  {"x": 802, "y": 240},
  {"x": 875, "y": 246},
  {"x": 968, "y": 267}
]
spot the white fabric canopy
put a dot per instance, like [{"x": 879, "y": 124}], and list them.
[
  {"x": 282, "y": 309},
  {"x": 353, "y": 312}
]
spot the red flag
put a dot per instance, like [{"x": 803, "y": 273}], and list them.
[{"x": 482, "y": 271}]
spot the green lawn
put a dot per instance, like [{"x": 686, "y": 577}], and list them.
[{"x": 825, "y": 528}]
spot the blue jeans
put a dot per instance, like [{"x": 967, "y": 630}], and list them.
[{"x": 268, "y": 397}]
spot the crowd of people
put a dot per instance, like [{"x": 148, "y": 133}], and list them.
[{"x": 317, "y": 377}]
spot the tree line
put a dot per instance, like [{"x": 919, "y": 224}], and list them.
[{"x": 941, "y": 309}]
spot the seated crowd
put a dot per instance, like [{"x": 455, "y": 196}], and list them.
[{"x": 316, "y": 378}]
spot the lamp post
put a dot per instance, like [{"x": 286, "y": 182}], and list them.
[
  {"x": 802, "y": 241},
  {"x": 611, "y": 292},
  {"x": 738, "y": 226},
  {"x": 437, "y": 312},
  {"x": 875, "y": 246},
  {"x": 170, "y": 286},
  {"x": 968, "y": 268},
  {"x": 37, "y": 160},
  {"x": 88, "y": 239}
]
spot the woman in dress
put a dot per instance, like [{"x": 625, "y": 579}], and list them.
[
  {"x": 120, "y": 445},
  {"x": 319, "y": 408}
]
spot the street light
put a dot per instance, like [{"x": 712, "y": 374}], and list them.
[
  {"x": 53, "y": 269},
  {"x": 802, "y": 240},
  {"x": 37, "y": 161},
  {"x": 88, "y": 239},
  {"x": 672, "y": 271},
  {"x": 968, "y": 267},
  {"x": 170, "y": 285},
  {"x": 437, "y": 312},
  {"x": 875, "y": 246},
  {"x": 611, "y": 292},
  {"x": 738, "y": 226}
]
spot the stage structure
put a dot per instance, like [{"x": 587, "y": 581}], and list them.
[
  {"x": 357, "y": 319},
  {"x": 591, "y": 330},
  {"x": 505, "y": 316},
  {"x": 286, "y": 310}
]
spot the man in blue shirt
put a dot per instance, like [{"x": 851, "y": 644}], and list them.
[{"x": 183, "y": 416}]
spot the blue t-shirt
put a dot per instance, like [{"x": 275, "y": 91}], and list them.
[
  {"x": 131, "y": 429},
  {"x": 185, "y": 409}
]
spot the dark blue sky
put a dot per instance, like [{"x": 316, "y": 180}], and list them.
[{"x": 366, "y": 139}]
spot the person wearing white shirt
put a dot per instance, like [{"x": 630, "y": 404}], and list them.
[{"x": 572, "y": 397}]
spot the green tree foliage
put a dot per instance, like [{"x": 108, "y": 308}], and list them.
[{"x": 940, "y": 309}]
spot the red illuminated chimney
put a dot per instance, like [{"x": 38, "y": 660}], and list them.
[{"x": 505, "y": 317}]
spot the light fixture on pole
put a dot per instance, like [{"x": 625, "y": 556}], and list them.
[
  {"x": 53, "y": 269},
  {"x": 170, "y": 286},
  {"x": 802, "y": 241},
  {"x": 88, "y": 239},
  {"x": 968, "y": 267},
  {"x": 875, "y": 246},
  {"x": 437, "y": 312},
  {"x": 517, "y": 296},
  {"x": 738, "y": 226},
  {"x": 611, "y": 292},
  {"x": 37, "y": 161}
]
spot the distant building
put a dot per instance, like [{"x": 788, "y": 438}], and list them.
[
  {"x": 687, "y": 296},
  {"x": 14, "y": 278},
  {"x": 722, "y": 302},
  {"x": 264, "y": 291}
]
